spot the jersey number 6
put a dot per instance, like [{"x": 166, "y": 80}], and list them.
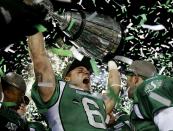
[{"x": 92, "y": 113}]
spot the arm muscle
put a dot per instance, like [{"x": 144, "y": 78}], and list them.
[{"x": 42, "y": 67}]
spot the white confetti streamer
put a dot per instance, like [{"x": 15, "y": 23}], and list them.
[
  {"x": 161, "y": 70},
  {"x": 154, "y": 27},
  {"x": 76, "y": 53},
  {"x": 165, "y": 46},
  {"x": 155, "y": 55},
  {"x": 7, "y": 49},
  {"x": 123, "y": 59},
  {"x": 142, "y": 53}
]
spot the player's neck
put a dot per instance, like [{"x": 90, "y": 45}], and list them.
[{"x": 75, "y": 87}]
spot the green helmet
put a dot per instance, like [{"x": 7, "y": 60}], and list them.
[{"x": 15, "y": 80}]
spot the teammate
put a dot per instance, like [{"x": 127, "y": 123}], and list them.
[
  {"x": 152, "y": 95},
  {"x": 13, "y": 105},
  {"x": 66, "y": 103},
  {"x": 13, "y": 87}
]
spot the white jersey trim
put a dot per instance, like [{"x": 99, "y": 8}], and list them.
[
  {"x": 53, "y": 114},
  {"x": 137, "y": 111},
  {"x": 164, "y": 119}
]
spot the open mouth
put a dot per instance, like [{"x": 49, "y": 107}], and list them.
[{"x": 86, "y": 81}]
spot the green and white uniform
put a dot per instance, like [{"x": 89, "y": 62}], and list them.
[
  {"x": 121, "y": 124},
  {"x": 71, "y": 109},
  {"x": 150, "y": 97},
  {"x": 11, "y": 121}
]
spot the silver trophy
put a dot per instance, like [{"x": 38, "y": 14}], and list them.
[{"x": 93, "y": 34}]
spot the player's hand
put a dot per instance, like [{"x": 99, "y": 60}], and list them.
[
  {"x": 114, "y": 76},
  {"x": 112, "y": 65},
  {"x": 18, "y": 19}
]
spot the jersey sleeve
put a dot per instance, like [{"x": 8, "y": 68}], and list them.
[
  {"x": 41, "y": 105},
  {"x": 161, "y": 97}
]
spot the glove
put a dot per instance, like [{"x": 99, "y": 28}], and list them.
[
  {"x": 20, "y": 21},
  {"x": 34, "y": 15}
]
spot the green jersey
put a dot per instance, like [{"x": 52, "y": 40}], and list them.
[
  {"x": 36, "y": 126},
  {"x": 121, "y": 124},
  {"x": 151, "y": 96},
  {"x": 71, "y": 109},
  {"x": 11, "y": 121}
]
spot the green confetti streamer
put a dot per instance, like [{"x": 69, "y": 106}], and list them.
[
  {"x": 1, "y": 61},
  {"x": 93, "y": 63},
  {"x": 71, "y": 24},
  {"x": 61, "y": 52},
  {"x": 167, "y": 2},
  {"x": 8, "y": 104},
  {"x": 40, "y": 28},
  {"x": 144, "y": 19},
  {"x": 1, "y": 72},
  {"x": 129, "y": 38},
  {"x": 170, "y": 10}
]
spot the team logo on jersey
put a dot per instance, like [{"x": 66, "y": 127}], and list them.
[
  {"x": 155, "y": 84},
  {"x": 11, "y": 126}
]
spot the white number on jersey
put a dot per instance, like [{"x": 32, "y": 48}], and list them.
[{"x": 91, "y": 113}]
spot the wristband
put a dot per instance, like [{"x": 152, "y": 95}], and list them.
[
  {"x": 45, "y": 84},
  {"x": 115, "y": 85}
]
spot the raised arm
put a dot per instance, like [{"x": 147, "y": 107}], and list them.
[
  {"x": 42, "y": 67},
  {"x": 114, "y": 83}
]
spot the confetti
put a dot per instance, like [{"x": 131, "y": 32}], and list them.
[{"x": 154, "y": 27}]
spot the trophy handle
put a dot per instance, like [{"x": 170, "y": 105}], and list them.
[
  {"x": 83, "y": 22},
  {"x": 76, "y": 34}
]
